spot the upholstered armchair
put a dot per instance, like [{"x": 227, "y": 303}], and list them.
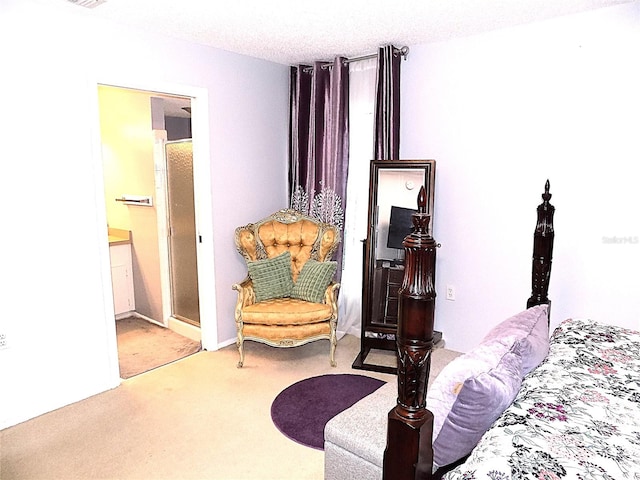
[{"x": 289, "y": 297}]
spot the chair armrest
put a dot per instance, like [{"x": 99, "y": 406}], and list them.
[
  {"x": 246, "y": 294},
  {"x": 331, "y": 297}
]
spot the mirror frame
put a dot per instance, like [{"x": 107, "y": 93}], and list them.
[{"x": 379, "y": 335}]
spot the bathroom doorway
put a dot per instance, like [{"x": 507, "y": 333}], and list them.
[{"x": 159, "y": 232}]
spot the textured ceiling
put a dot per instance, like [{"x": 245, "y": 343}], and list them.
[{"x": 301, "y": 31}]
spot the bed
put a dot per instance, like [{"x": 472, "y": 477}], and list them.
[
  {"x": 564, "y": 405},
  {"x": 525, "y": 403},
  {"x": 577, "y": 415}
]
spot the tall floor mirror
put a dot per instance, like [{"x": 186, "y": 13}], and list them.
[{"x": 393, "y": 195}]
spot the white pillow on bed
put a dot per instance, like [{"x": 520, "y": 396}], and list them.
[{"x": 468, "y": 395}]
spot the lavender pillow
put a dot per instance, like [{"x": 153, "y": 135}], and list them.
[
  {"x": 466, "y": 405},
  {"x": 531, "y": 327}
]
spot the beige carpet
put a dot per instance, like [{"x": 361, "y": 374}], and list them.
[
  {"x": 143, "y": 346},
  {"x": 197, "y": 418}
]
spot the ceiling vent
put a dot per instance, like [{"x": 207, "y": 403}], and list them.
[{"x": 87, "y": 3}]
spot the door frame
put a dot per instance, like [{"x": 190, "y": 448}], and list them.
[{"x": 202, "y": 200}]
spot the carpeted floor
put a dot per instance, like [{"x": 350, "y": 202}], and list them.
[
  {"x": 197, "y": 418},
  {"x": 143, "y": 346}
]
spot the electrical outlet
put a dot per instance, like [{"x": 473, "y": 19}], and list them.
[
  {"x": 451, "y": 292},
  {"x": 3, "y": 341}
]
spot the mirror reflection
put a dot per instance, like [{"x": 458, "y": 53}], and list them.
[{"x": 397, "y": 193}]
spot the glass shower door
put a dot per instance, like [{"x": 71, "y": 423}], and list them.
[{"x": 182, "y": 232}]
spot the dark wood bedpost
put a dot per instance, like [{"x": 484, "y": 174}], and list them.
[
  {"x": 409, "y": 454},
  {"x": 542, "y": 252}
]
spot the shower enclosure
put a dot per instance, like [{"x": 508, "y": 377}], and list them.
[{"x": 182, "y": 236}]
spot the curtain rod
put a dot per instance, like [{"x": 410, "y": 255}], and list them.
[{"x": 402, "y": 51}]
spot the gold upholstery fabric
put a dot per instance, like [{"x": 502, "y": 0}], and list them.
[
  {"x": 286, "y": 322},
  {"x": 299, "y": 238},
  {"x": 286, "y": 311}
]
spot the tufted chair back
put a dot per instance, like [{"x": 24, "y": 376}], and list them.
[{"x": 305, "y": 238}]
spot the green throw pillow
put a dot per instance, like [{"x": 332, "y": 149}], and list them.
[
  {"x": 313, "y": 280},
  {"x": 271, "y": 277}
]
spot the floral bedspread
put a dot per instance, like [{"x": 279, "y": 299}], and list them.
[{"x": 577, "y": 416}]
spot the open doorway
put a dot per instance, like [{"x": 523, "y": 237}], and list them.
[{"x": 135, "y": 126}]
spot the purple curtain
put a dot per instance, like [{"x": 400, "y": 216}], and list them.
[
  {"x": 387, "y": 112},
  {"x": 319, "y": 140}
]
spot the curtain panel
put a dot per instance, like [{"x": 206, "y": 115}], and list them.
[
  {"x": 319, "y": 141},
  {"x": 362, "y": 90},
  {"x": 387, "y": 112}
]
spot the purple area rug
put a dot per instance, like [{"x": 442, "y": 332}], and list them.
[{"x": 302, "y": 410}]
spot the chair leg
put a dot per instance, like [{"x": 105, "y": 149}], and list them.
[
  {"x": 240, "y": 345},
  {"x": 332, "y": 352}
]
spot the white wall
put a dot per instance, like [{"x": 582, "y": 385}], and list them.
[
  {"x": 503, "y": 112},
  {"x": 53, "y": 253}
]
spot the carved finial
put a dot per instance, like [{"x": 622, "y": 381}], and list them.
[
  {"x": 421, "y": 220},
  {"x": 546, "y": 196},
  {"x": 422, "y": 200}
]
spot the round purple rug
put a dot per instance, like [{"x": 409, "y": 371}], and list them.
[{"x": 302, "y": 410}]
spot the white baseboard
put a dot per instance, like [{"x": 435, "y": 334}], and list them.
[{"x": 231, "y": 341}]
